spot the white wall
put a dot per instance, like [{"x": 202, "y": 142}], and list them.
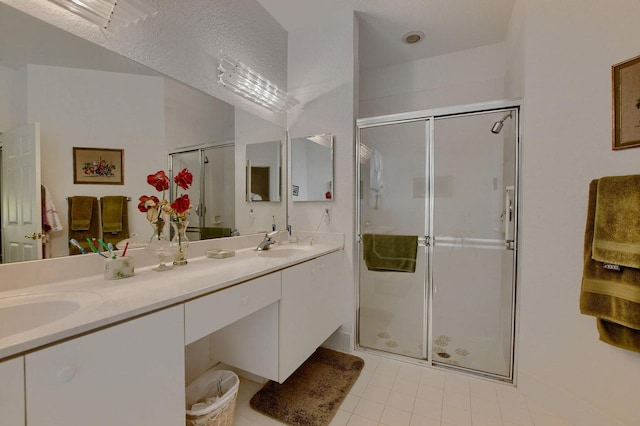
[
  {"x": 570, "y": 47},
  {"x": 465, "y": 77},
  {"x": 13, "y": 99},
  {"x": 321, "y": 75},
  {"x": 85, "y": 108}
]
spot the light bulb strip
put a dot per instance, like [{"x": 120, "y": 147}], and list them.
[
  {"x": 82, "y": 11},
  {"x": 246, "y": 82},
  {"x": 254, "y": 77},
  {"x": 101, "y": 12},
  {"x": 252, "y": 94}
]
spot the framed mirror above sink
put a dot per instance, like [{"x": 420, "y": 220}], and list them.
[
  {"x": 264, "y": 170},
  {"x": 312, "y": 168}
]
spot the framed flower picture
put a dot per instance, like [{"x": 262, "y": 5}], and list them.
[
  {"x": 102, "y": 166},
  {"x": 626, "y": 104}
]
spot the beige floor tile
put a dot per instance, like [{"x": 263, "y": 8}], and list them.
[
  {"x": 394, "y": 417},
  {"x": 401, "y": 402},
  {"x": 369, "y": 409}
]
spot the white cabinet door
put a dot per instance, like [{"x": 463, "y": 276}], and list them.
[
  {"x": 310, "y": 309},
  {"x": 12, "y": 392},
  {"x": 128, "y": 374}
]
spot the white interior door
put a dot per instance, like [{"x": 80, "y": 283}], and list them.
[{"x": 21, "y": 200}]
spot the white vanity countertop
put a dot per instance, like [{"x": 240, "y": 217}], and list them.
[{"x": 107, "y": 302}]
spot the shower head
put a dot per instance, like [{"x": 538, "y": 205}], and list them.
[{"x": 497, "y": 126}]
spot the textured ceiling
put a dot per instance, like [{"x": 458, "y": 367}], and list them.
[
  {"x": 449, "y": 25},
  {"x": 183, "y": 39}
]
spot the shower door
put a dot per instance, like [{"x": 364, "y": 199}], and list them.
[
  {"x": 212, "y": 192},
  {"x": 393, "y": 201},
  {"x": 473, "y": 242},
  {"x": 450, "y": 180}
]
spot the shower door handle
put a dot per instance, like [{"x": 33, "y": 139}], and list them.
[
  {"x": 201, "y": 210},
  {"x": 508, "y": 211}
]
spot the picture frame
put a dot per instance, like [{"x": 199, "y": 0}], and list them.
[
  {"x": 625, "y": 77},
  {"x": 98, "y": 166}
]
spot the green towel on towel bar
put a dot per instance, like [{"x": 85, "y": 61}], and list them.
[
  {"x": 612, "y": 296},
  {"x": 81, "y": 213},
  {"x": 616, "y": 236},
  {"x": 115, "y": 219},
  {"x": 112, "y": 207},
  {"x": 76, "y": 220},
  {"x": 396, "y": 253}
]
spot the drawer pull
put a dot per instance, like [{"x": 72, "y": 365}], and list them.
[{"x": 66, "y": 373}]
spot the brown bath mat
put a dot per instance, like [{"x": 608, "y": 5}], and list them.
[{"x": 312, "y": 394}]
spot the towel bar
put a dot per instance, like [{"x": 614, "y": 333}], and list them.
[{"x": 127, "y": 198}]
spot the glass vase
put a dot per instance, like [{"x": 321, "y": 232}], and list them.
[
  {"x": 180, "y": 238},
  {"x": 161, "y": 245}
]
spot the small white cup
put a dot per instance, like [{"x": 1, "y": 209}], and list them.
[{"x": 118, "y": 268}]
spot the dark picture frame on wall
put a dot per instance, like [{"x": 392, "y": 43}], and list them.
[
  {"x": 101, "y": 166},
  {"x": 625, "y": 77}
]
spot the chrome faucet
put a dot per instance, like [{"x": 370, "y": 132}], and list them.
[{"x": 266, "y": 243}]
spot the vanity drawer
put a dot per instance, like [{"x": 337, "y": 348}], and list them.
[{"x": 209, "y": 313}]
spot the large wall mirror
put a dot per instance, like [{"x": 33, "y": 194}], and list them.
[
  {"x": 312, "y": 168},
  {"x": 83, "y": 95}
]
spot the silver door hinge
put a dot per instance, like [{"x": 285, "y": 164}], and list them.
[{"x": 511, "y": 245}]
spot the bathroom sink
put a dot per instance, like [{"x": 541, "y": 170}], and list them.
[
  {"x": 286, "y": 251},
  {"x": 25, "y": 312}
]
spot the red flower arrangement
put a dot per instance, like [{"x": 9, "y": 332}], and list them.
[{"x": 156, "y": 208}]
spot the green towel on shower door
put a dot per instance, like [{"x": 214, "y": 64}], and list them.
[{"x": 395, "y": 253}]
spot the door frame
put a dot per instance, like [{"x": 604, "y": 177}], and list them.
[{"x": 430, "y": 116}]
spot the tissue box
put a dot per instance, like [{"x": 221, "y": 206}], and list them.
[{"x": 118, "y": 268}]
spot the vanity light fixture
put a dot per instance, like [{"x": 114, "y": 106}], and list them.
[
  {"x": 102, "y": 12},
  {"x": 239, "y": 78}
]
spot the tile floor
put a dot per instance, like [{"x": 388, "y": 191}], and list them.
[{"x": 394, "y": 393}]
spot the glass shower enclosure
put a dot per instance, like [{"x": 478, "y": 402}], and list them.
[
  {"x": 448, "y": 177},
  {"x": 212, "y": 192}
]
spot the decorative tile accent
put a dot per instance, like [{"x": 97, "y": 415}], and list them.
[{"x": 442, "y": 340}]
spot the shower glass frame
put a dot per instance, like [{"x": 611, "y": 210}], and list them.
[
  {"x": 430, "y": 117},
  {"x": 199, "y": 178}
]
